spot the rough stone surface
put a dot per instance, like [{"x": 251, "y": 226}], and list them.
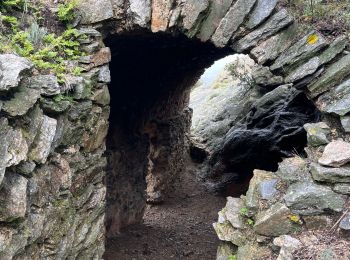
[
  {"x": 221, "y": 104},
  {"x": 225, "y": 251},
  {"x": 261, "y": 11},
  {"x": 232, "y": 212},
  {"x": 310, "y": 198},
  {"x": 337, "y": 100},
  {"x": 336, "y": 154},
  {"x": 42, "y": 145},
  {"x": 13, "y": 148},
  {"x": 320, "y": 222},
  {"x": 299, "y": 52},
  {"x": 191, "y": 12},
  {"x": 317, "y": 133},
  {"x": 334, "y": 49},
  {"x": 231, "y": 22},
  {"x": 328, "y": 174},
  {"x": 253, "y": 252},
  {"x": 252, "y": 196},
  {"x": 12, "y": 68},
  {"x": 13, "y": 197},
  {"x": 304, "y": 70},
  {"x": 267, "y": 127},
  {"x": 104, "y": 75},
  {"x": 336, "y": 73},
  {"x": 60, "y": 212},
  {"x": 269, "y": 49},
  {"x": 22, "y": 101},
  {"x": 227, "y": 233},
  {"x": 47, "y": 84},
  {"x": 218, "y": 9},
  {"x": 161, "y": 11},
  {"x": 272, "y": 26},
  {"x": 274, "y": 221},
  {"x": 342, "y": 188},
  {"x": 288, "y": 245},
  {"x": 264, "y": 77},
  {"x": 140, "y": 10},
  {"x": 345, "y": 122},
  {"x": 95, "y": 11},
  {"x": 268, "y": 189},
  {"x": 345, "y": 222},
  {"x": 293, "y": 169}
]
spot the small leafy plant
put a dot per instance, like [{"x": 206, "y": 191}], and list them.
[
  {"x": 66, "y": 12},
  {"x": 243, "y": 211},
  {"x": 250, "y": 222}
]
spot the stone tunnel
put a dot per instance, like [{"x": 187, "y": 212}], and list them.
[{"x": 112, "y": 151}]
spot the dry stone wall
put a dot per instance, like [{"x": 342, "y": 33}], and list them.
[{"x": 52, "y": 162}]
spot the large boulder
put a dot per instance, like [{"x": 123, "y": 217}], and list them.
[{"x": 272, "y": 129}]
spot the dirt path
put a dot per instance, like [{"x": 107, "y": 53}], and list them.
[{"x": 179, "y": 229}]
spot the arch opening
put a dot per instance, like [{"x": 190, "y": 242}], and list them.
[
  {"x": 151, "y": 78},
  {"x": 239, "y": 125}
]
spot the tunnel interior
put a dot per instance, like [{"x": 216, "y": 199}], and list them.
[{"x": 152, "y": 75}]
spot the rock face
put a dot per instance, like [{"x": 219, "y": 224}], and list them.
[
  {"x": 274, "y": 222},
  {"x": 308, "y": 199},
  {"x": 221, "y": 104},
  {"x": 261, "y": 139},
  {"x": 336, "y": 154},
  {"x": 12, "y": 69}
]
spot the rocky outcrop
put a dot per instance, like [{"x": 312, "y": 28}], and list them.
[
  {"x": 221, "y": 104},
  {"x": 273, "y": 128}
]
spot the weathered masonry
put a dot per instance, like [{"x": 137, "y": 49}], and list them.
[{"x": 61, "y": 193}]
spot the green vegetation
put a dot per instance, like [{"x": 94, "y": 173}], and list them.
[
  {"x": 241, "y": 72},
  {"x": 66, "y": 11},
  {"x": 243, "y": 211},
  {"x": 331, "y": 17},
  {"x": 232, "y": 257},
  {"x": 48, "y": 51},
  {"x": 250, "y": 222},
  {"x": 59, "y": 98}
]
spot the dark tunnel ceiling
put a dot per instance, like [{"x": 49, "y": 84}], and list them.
[{"x": 146, "y": 67}]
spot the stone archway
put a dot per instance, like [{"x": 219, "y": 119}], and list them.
[{"x": 260, "y": 28}]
